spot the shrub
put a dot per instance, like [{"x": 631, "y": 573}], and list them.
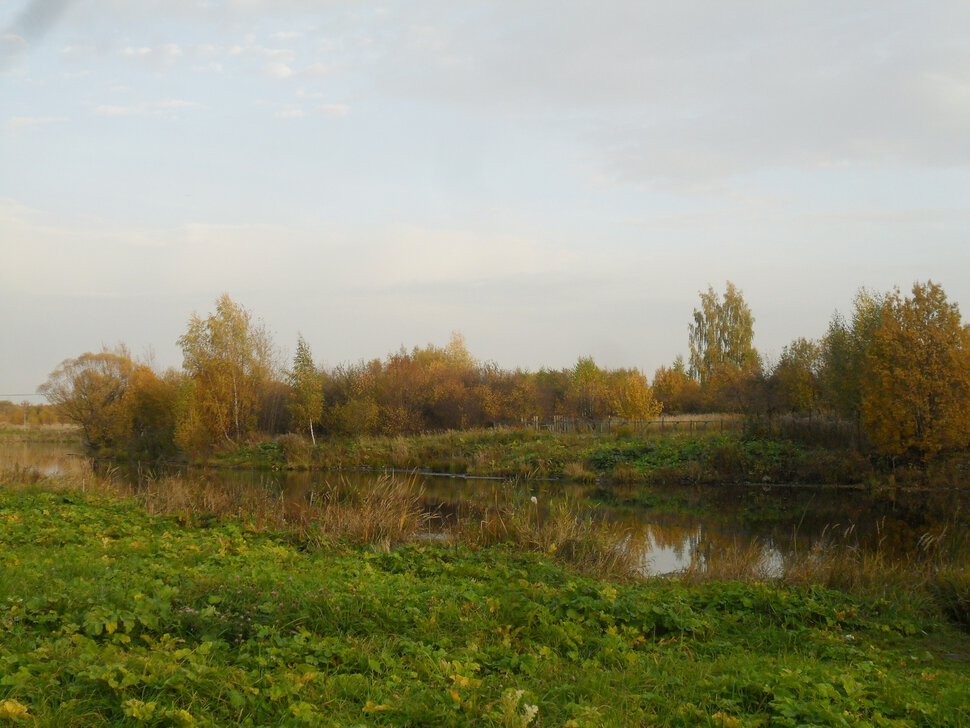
[{"x": 951, "y": 589}]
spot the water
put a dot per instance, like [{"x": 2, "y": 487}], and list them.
[{"x": 677, "y": 525}]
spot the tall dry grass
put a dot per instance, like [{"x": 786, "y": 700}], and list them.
[
  {"x": 593, "y": 546},
  {"x": 386, "y": 512},
  {"x": 937, "y": 565}
]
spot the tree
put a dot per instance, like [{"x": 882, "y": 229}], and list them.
[
  {"x": 90, "y": 391},
  {"x": 721, "y": 334},
  {"x": 587, "y": 388},
  {"x": 674, "y": 389},
  {"x": 845, "y": 353},
  {"x": 120, "y": 406},
  {"x": 630, "y": 395},
  {"x": 227, "y": 360},
  {"x": 916, "y": 397},
  {"x": 306, "y": 406},
  {"x": 796, "y": 376}
]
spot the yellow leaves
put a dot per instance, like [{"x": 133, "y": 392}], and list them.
[
  {"x": 13, "y": 710},
  {"x": 916, "y": 397},
  {"x": 372, "y": 707},
  {"x": 609, "y": 593},
  {"x": 725, "y": 720},
  {"x": 139, "y": 710}
]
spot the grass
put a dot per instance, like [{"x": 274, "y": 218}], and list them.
[
  {"x": 39, "y": 433},
  {"x": 113, "y": 615},
  {"x": 621, "y": 457}
]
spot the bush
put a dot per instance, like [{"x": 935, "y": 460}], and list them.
[
  {"x": 951, "y": 589},
  {"x": 728, "y": 462}
]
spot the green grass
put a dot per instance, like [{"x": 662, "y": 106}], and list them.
[
  {"x": 109, "y": 615},
  {"x": 514, "y": 453},
  {"x": 41, "y": 433}
]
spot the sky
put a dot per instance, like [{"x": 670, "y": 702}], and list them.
[{"x": 554, "y": 179}]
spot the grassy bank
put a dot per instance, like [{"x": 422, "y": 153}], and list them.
[
  {"x": 40, "y": 433},
  {"x": 517, "y": 453},
  {"x": 110, "y": 614}
]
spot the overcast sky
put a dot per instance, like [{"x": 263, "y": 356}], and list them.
[{"x": 553, "y": 179}]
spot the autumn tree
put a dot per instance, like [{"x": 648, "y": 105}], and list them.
[
  {"x": 121, "y": 406},
  {"x": 587, "y": 389},
  {"x": 675, "y": 389},
  {"x": 795, "y": 377},
  {"x": 90, "y": 391},
  {"x": 630, "y": 395},
  {"x": 306, "y": 406},
  {"x": 721, "y": 334},
  {"x": 844, "y": 356},
  {"x": 916, "y": 395},
  {"x": 227, "y": 359}
]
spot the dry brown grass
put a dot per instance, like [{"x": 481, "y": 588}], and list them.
[
  {"x": 592, "y": 546},
  {"x": 836, "y": 561},
  {"x": 387, "y": 512}
]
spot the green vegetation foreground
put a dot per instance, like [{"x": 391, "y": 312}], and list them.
[{"x": 110, "y": 615}]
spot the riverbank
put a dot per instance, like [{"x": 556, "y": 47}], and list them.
[
  {"x": 40, "y": 433},
  {"x": 112, "y": 615},
  {"x": 712, "y": 457}
]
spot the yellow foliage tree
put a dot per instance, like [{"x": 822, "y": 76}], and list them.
[
  {"x": 227, "y": 360},
  {"x": 675, "y": 390},
  {"x": 916, "y": 395},
  {"x": 631, "y": 397},
  {"x": 121, "y": 406}
]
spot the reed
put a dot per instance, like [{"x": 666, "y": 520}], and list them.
[
  {"x": 387, "y": 512},
  {"x": 590, "y": 545}
]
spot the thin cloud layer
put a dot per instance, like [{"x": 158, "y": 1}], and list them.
[{"x": 378, "y": 176}]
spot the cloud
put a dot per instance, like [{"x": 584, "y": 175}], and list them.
[
  {"x": 38, "y": 16},
  {"x": 693, "y": 95},
  {"x": 317, "y": 70},
  {"x": 167, "y": 54},
  {"x": 277, "y": 55},
  {"x": 278, "y": 70},
  {"x": 287, "y": 35},
  {"x": 12, "y": 45},
  {"x": 78, "y": 52},
  {"x": 27, "y": 122},
  {"x": 417, "y": 255},
  {"x": 292, "y": 112},
  {"x": 146, "y": 108},
  {"x": 334, "y": 110}
]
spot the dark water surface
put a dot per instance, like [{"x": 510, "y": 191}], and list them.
[{"x": 678, "y": 525}]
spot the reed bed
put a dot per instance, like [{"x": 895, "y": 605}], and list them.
[{"x": 591, "y": 545}]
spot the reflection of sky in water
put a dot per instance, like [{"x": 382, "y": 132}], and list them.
[
  {"x": 47, "y": 459},
  {"x": 659, "y": 556}
]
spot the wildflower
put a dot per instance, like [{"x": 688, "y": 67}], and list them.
[{"x": 535, "y": 501}]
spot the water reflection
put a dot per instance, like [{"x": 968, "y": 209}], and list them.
[{"x": 678, "y": 527}]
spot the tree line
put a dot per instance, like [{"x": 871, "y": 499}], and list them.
[{"x": 896, "y": 367}]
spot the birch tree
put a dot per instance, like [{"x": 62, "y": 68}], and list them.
[
  {"x": 721, "y": 334},
  {"x": 227, "y": 358},
  {"x": 306, "y": 408}
]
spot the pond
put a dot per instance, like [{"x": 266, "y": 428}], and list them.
[{"x": 677, "y": 525}]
